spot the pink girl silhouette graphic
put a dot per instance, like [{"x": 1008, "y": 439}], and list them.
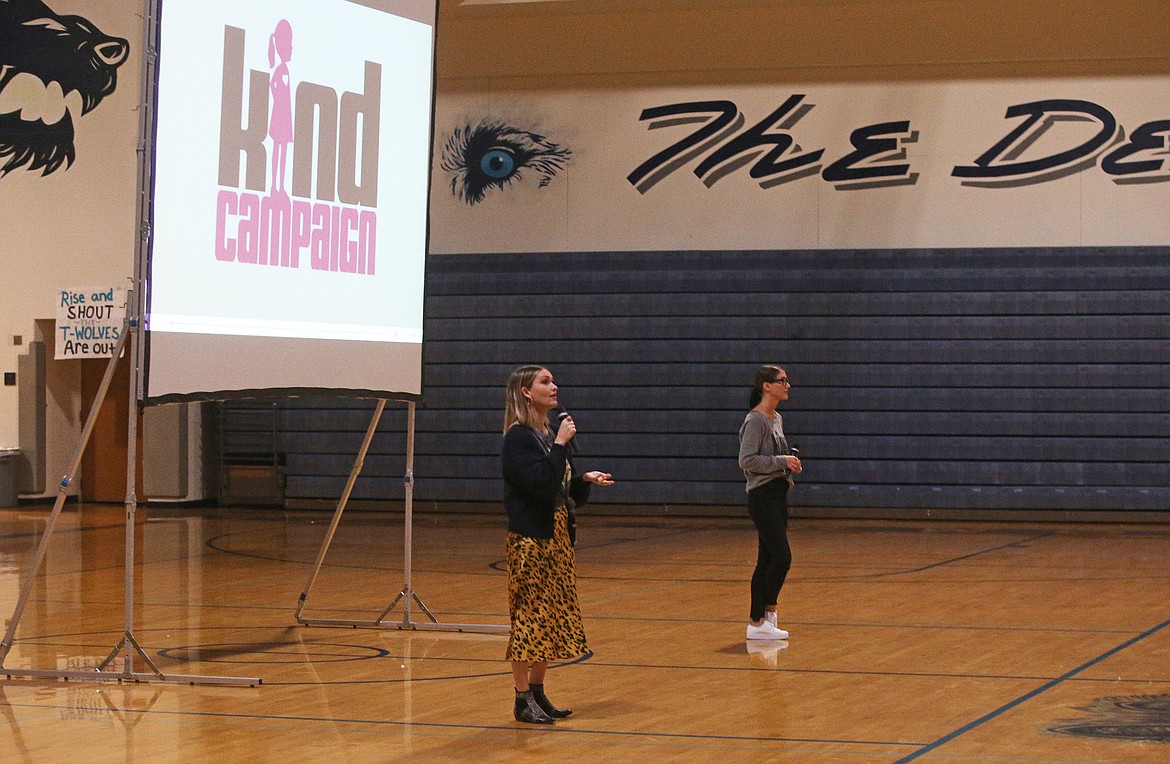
[{"x": 280, "y": 126}]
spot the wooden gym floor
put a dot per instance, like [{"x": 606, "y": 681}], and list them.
[{"x": 911, "y": 641}]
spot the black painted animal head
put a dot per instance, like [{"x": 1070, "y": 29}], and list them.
[{"x": 53, "y": 69}]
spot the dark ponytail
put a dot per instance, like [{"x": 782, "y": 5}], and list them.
[{"x": 766, "y": 373}]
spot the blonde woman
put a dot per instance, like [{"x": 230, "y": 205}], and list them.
[{"x": 540, "y": 492}]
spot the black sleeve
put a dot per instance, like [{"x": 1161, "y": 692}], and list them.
[{"x": 530, "y": 468}]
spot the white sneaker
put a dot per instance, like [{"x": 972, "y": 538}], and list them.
[
  {"x": 765, "y": 631},
  {"x": 770, "y": 617}
]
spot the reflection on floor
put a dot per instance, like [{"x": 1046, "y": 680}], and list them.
[{"x": 910, "y": 640}]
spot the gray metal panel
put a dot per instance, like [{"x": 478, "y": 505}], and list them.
[
  {"x": 31, "y": 384},
  {"x": 989, "y": 379}
]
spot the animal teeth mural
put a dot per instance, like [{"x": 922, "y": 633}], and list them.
[{"x": 53, "y": 70}]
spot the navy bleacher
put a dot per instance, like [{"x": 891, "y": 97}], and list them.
[{"x": 1014, "y": 379}]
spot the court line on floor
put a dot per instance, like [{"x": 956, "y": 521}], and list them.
[
  {"x": 1029, "y": 695},
  {"x": 968, "y": 556},
  {"x": 552, "y": 730}
]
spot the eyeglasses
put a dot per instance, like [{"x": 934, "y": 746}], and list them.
[{"x": 781, "y": 381}]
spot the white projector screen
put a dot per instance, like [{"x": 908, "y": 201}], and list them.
[{"x": 289, "y": 205}]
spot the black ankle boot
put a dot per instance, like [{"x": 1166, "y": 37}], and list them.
[
  {"x": 546, "y": 704},
  {"x": 527, "y": 709}
]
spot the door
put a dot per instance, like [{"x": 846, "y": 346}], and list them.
[{"x": 103, "y": 464}]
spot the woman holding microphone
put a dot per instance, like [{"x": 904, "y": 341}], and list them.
[{"x": 540, "y": 492}]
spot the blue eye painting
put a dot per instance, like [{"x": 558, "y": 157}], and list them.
[{"x": 493, "y": 155}]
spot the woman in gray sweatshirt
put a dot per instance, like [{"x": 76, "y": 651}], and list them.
[{"x": 768, "y": 465}]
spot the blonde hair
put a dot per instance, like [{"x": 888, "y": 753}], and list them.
[{"x": 517, "y": 408}]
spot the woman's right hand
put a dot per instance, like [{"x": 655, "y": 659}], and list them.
[
  {"x": 566, "y": 431},
  {"x": 793, "y": 463}
]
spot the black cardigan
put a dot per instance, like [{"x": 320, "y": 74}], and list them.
[{"x": 534, "y": 469}]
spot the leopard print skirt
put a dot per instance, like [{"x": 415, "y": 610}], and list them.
[{"x": 542, "y": 597}]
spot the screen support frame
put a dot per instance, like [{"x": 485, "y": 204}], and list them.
[
  {"x": 132, "y": 332},
  {"x": 407, "y": 595}
]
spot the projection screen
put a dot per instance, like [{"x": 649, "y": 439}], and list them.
[{"x": 289, "y": 198}]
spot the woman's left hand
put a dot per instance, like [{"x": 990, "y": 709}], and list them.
[{"x": 598, "y": 478}]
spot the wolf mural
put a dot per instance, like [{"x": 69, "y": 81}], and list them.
[{"x": 53, "y": 69}]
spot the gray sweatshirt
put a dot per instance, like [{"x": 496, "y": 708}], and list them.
[{"x": 762, "y": 448}]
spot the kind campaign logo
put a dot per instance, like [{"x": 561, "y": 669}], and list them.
[{"x": 284, "y": 134}]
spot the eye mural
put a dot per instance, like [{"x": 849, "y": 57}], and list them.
[
  {"x": 53, "y": 69},
  {"x": 492, "y": 155}
]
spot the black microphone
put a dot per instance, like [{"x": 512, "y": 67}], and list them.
[{"x": 561, "y": 416}]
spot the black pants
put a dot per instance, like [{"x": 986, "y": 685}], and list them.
[{"x": 768, "y": 507}]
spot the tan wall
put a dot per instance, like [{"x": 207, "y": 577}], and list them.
[
  {"x": 620, "y": 43},
  {"x": 74, "y": 227},
  {"x": 581, "y": 72}
]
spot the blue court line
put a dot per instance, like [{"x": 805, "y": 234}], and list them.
[{"x": 1028, "y": 696}]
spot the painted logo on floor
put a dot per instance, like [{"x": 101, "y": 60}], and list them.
[{"x": 1136, "y": 717}]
